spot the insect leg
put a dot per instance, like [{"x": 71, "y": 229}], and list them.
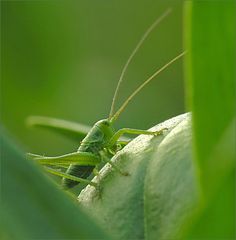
[
  {"x": 108, "y": 160},
  {"x": 95, "y": 171},
  {"x": 81, "y": 166},
  {"x": 76, "y": 158},
  {"x": 122, "y": 131},
  {"x": 71, "y": 177},
  {"x": 123, "y": 143}
]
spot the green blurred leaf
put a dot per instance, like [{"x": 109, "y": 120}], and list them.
[
  {"x": 75, "y": 131},
  {"x": 210, "y": 71},
  {"x": 33, "y": 207},
  {"x": 123, "y": 208},
  {"x": 210, "y": 39},
  {"x": 217, "y": 216}
]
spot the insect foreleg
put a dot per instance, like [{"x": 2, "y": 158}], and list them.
[{"x": 122, "y": 131}]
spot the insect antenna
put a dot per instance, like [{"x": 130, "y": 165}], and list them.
[
  {"x": 145, "y": 35},
  {"x": 116, "y": 115}
]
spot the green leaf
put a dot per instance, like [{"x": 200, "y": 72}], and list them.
[
  {"x": 210, "y": 74},
  {"x": 210, "y": 70},
  {"x": 72, "y": 130},
  {"x": 33, "y": 207},
  {"x": 122, "y": 206}
]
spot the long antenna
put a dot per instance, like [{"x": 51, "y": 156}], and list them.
[
  {"x": 116, "y": 115},
  {"x": 149, "y": 30}
]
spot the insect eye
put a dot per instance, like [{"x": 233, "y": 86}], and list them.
[
  {"x": 106, "y": 123},
  {"x": 119, "y": 147}
]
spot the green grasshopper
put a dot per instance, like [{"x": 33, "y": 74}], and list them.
[{"x": 101, "y": 142}]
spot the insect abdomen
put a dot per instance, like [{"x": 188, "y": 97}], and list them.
[
  {"x": 78, "y": 171},
  {"x": 92, "y": 143}
]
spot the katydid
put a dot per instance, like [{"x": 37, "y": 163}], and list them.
[{"x": 102, "y": 141}]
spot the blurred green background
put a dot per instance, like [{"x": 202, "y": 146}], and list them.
[{"x": 63, "y": 59}]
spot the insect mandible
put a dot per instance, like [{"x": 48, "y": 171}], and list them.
[{"x": 101, "y": 142}]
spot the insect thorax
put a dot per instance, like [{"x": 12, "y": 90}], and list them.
[{"x": 98, "y": 137}]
